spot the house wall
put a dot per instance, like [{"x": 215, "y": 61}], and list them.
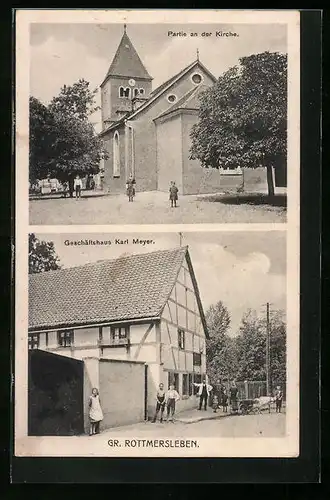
[
  {"x": 181, "y": 312},
  {"x": 196, "y": 179},
  {"x": 122, "y": 403},
  {"x": 169, "y": 153}
]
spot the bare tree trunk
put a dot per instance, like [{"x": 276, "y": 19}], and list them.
[{"x": 270, "y": 181}]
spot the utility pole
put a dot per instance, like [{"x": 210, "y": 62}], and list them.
[
  {"x": 181, "y": 238},
  {"x": 267, "y": 350}
]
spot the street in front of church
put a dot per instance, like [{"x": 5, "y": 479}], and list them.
[{"x": 154, "y": 207}]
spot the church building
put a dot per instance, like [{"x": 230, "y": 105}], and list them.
[{"x": 146, "y": 131}]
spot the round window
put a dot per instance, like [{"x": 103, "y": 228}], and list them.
[
  {"x": 196, "y": 78},
  {"x": 171, "y": 98}
]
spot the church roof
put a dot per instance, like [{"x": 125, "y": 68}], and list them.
[
  {"x": 171, "y": 80},
  {"x": 190, "y": 100},
  {"x": 129, "y": 287},
  {"x": 160, "y": 89},
  {"x": 127, "y": 62}
]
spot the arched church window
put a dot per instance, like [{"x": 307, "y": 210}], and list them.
[
  {"x": 121, "y": 92},
  {"x": 141, "y": 91},
  {"x": 127, "y": 92},
  {"x": 116, "y": 155},
  {"x": 136, "y": 92}
]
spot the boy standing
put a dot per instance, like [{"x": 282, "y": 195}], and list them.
[
  {"x": 173, "y": 194},
  {"x": 160, "y": 403},
  {"x": 172, "y": 396}
]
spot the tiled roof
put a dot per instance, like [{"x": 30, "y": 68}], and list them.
[
  {"x": 127, "y": 62},
  {"x": 129, "y": 287}
]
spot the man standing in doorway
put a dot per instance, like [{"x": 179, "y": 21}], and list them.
[{"x": 204, "y": 391}]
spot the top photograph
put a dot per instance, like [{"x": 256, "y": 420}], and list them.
[{"x": 158, "y": 123}]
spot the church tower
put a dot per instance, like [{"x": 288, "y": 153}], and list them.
[{"x": 127, "y": 83}]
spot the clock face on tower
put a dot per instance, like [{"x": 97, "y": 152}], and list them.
[{"x": 131, "y": 82}]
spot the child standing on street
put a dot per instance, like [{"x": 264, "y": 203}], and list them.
[
  {"x": 172, "y": 396},
  {"x": 173, "y": 194},
  {"x": 95, "y": 412},
  {"x": 78, "y": 186},
  {"x": 160, "y": 403}
]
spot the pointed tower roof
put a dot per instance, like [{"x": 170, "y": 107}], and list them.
[{"x": 127, "y": 62}]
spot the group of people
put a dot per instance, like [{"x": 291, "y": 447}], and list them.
[
  {"x": 73, "y": 186},
  {"x": 167, "y": 400}
]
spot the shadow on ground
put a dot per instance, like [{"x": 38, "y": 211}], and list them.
[{"x": 279, "y": 200}]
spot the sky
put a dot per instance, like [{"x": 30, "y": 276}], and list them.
[
  {"x": 242, "y": 269},
  {"x": 63, "y": 53}
]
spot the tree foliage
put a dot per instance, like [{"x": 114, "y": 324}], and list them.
[
  {"x": 243, "y": 117},
  {"x": 63, "y": 141},
  {"x": 243, "y": 357},
  {"x": 42, "y": 256},
  {"x": 219, "y": 352}
]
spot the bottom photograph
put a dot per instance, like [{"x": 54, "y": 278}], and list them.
[{"x": 157, "y": 335}]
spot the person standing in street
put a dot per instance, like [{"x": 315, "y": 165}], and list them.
[
  {"x": 171, "y": 398},
  {"x": 95, "y": 412},
  {"x": 204, "y": 391},
  {"x": 278, "y": 399},
  {"x": 78, "y": 186},
  {"x": 160, "y": 403},
  {"x": 173, "y": 194}
]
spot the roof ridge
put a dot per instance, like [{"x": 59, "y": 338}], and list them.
[{"x": 124, "y": 256}]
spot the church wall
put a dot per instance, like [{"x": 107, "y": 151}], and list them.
[
  {"x": 169, "y": 153},
  {"x": 196, "y": 179},
  {"x": 114, "y": 184},
  {"x": 145, "y": 156}
]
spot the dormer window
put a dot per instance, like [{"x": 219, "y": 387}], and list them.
[
  {"x": 124, "y": 92},
  {"x": 171, "y": 98},
  {"x": 196, "y": 78}
]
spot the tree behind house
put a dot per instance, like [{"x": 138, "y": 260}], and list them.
[{"x": 42, "y": 255}]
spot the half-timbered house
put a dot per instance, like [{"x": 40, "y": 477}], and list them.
[{"x": 143, "y": 308}]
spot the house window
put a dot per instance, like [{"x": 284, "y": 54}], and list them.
[
  {"x": 119, "y": 335},
  {"x": 181, "y": 339},
  {"x": 173, "y": 379},
  {"x": 65, "y": 338},
  {"x": 197, "y": 380},
  {"x": 196, "y": 78},
  {"x": 116, "y": 156},
  {"x": 197, "y": 359},
  {"x": 185, "y": 384},
  {"x": 33, "y": 341},
  {"x": 141, "y": 91},
  {"x": 171, "y": 98},
  {"x": 190, "y": 384}
]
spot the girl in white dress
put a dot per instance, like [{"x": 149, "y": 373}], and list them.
[{"x": 95, "y": 412}]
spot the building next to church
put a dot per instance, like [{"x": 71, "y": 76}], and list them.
[
  {"x": 146, "y": 131},
  {"x": 120, "y": 315}
]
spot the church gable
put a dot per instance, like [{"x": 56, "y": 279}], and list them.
[{"x": 195, "y": 75}]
